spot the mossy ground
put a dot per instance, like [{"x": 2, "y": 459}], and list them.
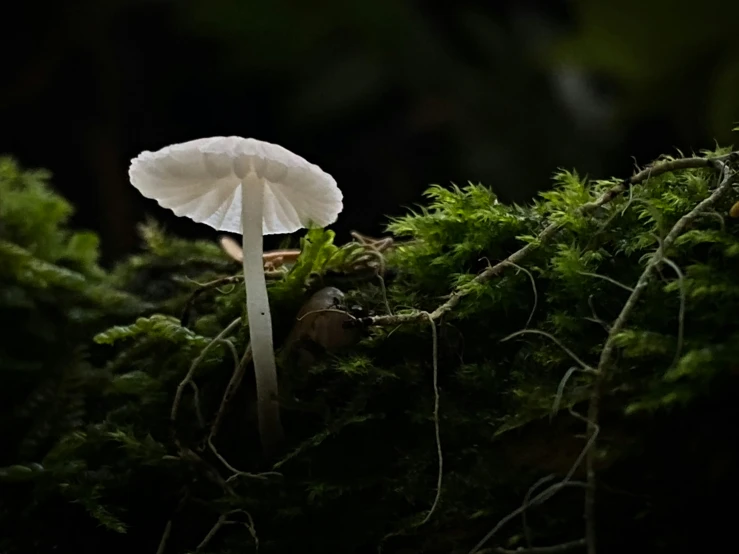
[{"x": 91, "y": 360}]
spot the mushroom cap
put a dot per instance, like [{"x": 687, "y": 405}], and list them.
[{"x": 202, "y": 179}]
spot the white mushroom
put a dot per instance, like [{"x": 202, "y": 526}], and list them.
[{"x": 243, "y": 185}]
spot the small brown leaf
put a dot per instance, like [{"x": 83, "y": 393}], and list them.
[{"x": 320, "y": 322}]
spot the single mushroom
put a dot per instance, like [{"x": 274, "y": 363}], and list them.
[{"x": 243, "y": 185}]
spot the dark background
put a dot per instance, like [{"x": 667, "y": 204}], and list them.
[{"x": 388, "y": 96}]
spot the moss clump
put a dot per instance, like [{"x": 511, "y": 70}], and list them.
[
  {"x": 53, "y": 296},
  {"x": 360, "y": 468}
]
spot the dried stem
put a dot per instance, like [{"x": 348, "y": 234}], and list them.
[
  {"x": 376, "y": 247},
  {"x": 210, "y": 285},
  {"x": 525, "y": 506},
  {"x": 231, "y": 388},
  {"x": 165, "y": 537},
  {"x": 210, "y": 472},
  {"x": 555, "y": 549},
  {"x": 555, "y": 340},
  {"x": 223, "y": 520},
  {"x": 596, "y": 318},
  {"x": 681, "y": 313},
  {"x": 436, "y": 419},
  {"x": 561, "y": 390},
  {"x": 215, "y": 284},
  {"x": 168, "y": 527},
  {"x": 536, "y": 293},
  {"x": 324, "y": 310},
  {"x": 607, "y": 278},
  {"x": 187, "y": 453},
  {"x": 188, "y": 378},
  {"x": 196, "y": 403},
  {"x": 546, "y": 494}
]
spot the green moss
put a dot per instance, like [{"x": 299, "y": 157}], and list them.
[{"x": 360, "y": 465}]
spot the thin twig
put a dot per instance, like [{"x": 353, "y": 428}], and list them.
[
  {"x": 609, "y": 348},
  {"x": 525, "y": 506},
  {"x": 533, "y": 286},
  {"x": 681, "y": 312},
  {"x": 223, "y": 520},
  {"x": 596, "y": 318},
  {"x": 538, "y": 499},
  {"x": 380, "y": 245},
  {"x": 165, "y": 537},
  {"x": 216, "y": 283},
  {"x": 376, "y": 247},
  {"x": 555, "y": 340},
  {"x": 212, "y": 533},
  {"x": 436, "y": 419},
  {"x": 231, "y": 388},
  {"x": 235, "y": 355},
  {"x": 188, "y": 378},
  {"x": 322, "y": 310},
  {"x": 196, "y": 403},
  {"x": 555, "y": 549},
  {"x": 607, "y": 278},
  {"x": 210, "y": 472},
  {"x": 547, "y": 493},
  {"x": 717, "y": 216},
  {"x": 168, "y": 527},
  {"x": 236, "y": 472},
  {"x": 561, "y": 390}
]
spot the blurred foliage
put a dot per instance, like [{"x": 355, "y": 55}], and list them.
[
  {"x": 672, "y": 59},
  {"x": 395, "y": 72},
  {"x": 113, "y": 473},
  {"x": 53, "y": 295},
  {"x": 467, "y": 90}
]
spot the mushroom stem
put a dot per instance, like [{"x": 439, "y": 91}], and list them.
[{"x": 257, "y": 311}]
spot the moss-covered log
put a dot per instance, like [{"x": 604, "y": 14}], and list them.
[{"x": 410, "y": 431}]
